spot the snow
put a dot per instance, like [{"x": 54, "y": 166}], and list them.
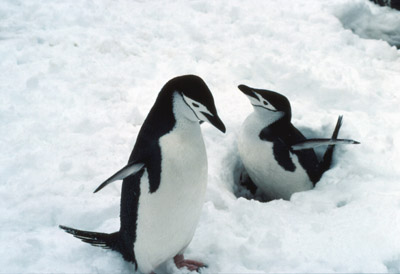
[
  {"x": 79, "y": 77},
  {"x": 371, "y": 22}
]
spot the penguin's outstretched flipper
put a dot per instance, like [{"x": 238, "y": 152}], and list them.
[
  {"x": 128, "y": 170},
  {"x": 313, "y": 143},
  {"x": 326, "y": 162},
  {"x": 316, "y": 142}
]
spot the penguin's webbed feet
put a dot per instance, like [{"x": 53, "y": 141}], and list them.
[{"x": 192, "y": 265}]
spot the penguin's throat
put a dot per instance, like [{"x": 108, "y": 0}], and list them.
[{"x": 267, "y": 118}]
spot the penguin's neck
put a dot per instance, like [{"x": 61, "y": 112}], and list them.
[
  {"x": 265, "y": 119},
  {"x": 161, "y": 118}
]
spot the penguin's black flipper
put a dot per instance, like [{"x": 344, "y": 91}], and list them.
[
  {"x": 316, "y": 142},
  {"x": 128, "y": 170},
  {"x": 282, "y": 155}
]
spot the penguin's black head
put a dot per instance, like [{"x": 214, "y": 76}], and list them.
[
  {"x": 197, "y": 98},
  {"x": 267, "y": 101}
]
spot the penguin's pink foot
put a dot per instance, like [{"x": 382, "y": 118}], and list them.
[{"x": 180, "y": 262}]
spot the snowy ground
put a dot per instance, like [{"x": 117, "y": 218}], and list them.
[{"x": 77, "y": 79}]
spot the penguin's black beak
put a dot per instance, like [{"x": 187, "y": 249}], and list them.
[
  {"x": 248, "y": 91},
  {"x": 215, "y": 121}
]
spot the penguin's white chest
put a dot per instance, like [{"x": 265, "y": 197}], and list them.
[
  {"x": 259, "y": 161},
  {"x": 167, "y": 218}
]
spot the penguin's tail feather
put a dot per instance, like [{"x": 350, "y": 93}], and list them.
[
  {"x": 114, "y": 241},
  {"x": 104, "y": 240},
  {"x": 337, "y": 127},
  {"x": 326, "y": 162}
]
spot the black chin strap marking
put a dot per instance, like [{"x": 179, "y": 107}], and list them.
[
  {"x": 190, "y": 107},
  {"x": 265, "y": 108}
]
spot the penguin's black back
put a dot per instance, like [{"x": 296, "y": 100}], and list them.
[
  {"x": 130, "y": 194},
  {"x": 159, "y": 122}
]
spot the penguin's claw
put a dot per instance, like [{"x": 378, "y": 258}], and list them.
[{"x": 191, "y": 265}]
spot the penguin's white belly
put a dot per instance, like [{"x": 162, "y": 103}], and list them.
[
  {"x": 259, "y": 161},
  {"x": 167, "y": 218}
]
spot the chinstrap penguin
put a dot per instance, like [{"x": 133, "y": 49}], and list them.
[
  {"x": 276, "y": 156},
  {"x": 164, "y": 181}
]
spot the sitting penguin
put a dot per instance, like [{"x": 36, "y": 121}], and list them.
[
  {"x": 165, "y": 180},
  {"x": 276, "y": 156}
]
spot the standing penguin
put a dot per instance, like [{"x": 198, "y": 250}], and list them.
[
  {"x": 164, "y": 181},
  {"x": 277, "y": 157}
]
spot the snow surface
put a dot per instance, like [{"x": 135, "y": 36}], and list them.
[{"x": 77, "y": 79}]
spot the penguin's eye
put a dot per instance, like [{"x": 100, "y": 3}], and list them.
[
  {"x": 265, "y": 103},
  {"x": 195, "y": 105}
]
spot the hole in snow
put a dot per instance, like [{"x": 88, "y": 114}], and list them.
[
  {"x": 371, "y": 21},
  {"x": 243, "y": 187},
  {"x": 393, "y": 266}
]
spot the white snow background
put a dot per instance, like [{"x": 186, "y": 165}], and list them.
[{"x": 77, "y": 79}]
